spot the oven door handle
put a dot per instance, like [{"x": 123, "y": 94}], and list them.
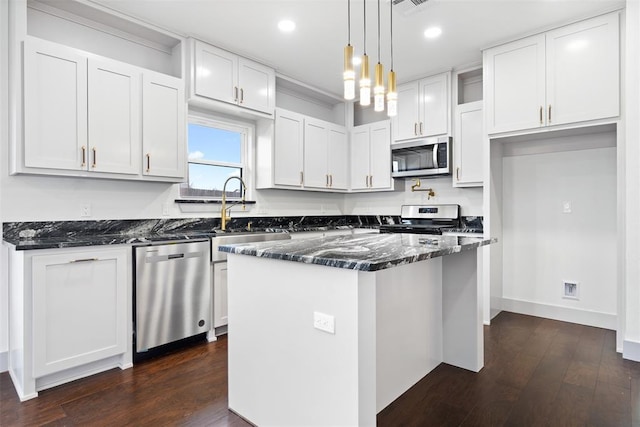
[{"x": 435, "y": 156}]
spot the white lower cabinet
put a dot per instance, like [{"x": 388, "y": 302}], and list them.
[
  {"x": 75, "y": 318},
  {"x": 220, "y": 316}
]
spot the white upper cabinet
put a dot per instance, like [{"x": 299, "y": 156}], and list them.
[
  {"x": 86, "y": 115},
  {"x": 468, "y": 144},
  {"x": 55, "y": 107},
  {"x": 423, "y": 108},
  {"x": 164, "y": 126},
  {"x": 338, "y": 158},
  {"x": 371, "y": 157},
  {"x": 288, "y": 149},
  {"x": 564, "y": 76},
  {"x": 325, "y": 155},
  {"x": 223, "y": 76},
  {"x": 583, "y": 69},
  {"x": 114, "y": 117}
]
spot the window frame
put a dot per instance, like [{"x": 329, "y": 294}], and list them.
[{"x": 247, "y": 129}]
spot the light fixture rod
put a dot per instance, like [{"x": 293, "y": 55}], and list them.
[{"x": 378, "y": 31}]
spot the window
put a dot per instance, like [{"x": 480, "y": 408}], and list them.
[{"x": 217, "y": 151}]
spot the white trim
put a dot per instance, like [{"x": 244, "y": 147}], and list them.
[
  {"x": 631, "y": 350},
  {"x": 4, "y": 361},
  {"x": 566, "y": 314}
]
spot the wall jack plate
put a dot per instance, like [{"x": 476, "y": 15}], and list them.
[
  {"x": 570, "y": 290},
  {"x": 324, "y": 322}
]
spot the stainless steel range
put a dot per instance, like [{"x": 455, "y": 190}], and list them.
[{"x": 425, "y": 219}]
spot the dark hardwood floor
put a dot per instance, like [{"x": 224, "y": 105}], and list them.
[{"x": 537, "y": 372}]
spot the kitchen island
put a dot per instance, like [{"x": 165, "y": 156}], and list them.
[{"x": 330, "y": 331}]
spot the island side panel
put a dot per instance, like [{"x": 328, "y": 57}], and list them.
[
  {"x": 409, "y": 326},
  {"x": 283, "y": 371},
  {"x": 462, "y": 311}
]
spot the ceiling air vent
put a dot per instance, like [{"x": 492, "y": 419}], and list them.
[{"x": 408, "y": 7}]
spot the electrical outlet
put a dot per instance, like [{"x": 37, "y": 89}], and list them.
[
  {"x": 324, "y": 322},
  {"x": 570, "y": 290},
  {"x": 566, "y": 207},
  {"x": 165, "y": 209},
  {"x": 85, "y": 210}
]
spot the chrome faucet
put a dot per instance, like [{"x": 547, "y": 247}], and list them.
[{"x": 223, "y": 213}]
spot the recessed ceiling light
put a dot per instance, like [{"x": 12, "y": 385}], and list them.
[
  {"x": 432, "y": 32},
  {"x": 286, "y": 25}
]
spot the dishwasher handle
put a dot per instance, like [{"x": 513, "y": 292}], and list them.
[{"x": 174, "y": 256}]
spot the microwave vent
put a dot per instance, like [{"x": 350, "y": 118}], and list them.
[{"x": 409, "y": 7}]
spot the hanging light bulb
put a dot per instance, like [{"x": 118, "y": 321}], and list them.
[
  {"x": 349, "y": 74},
  {"x": 378, "y": 89},
  {"x": 392, "y": 94},
  {"x": 365, "y": 79}
]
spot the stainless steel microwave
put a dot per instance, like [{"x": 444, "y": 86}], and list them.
[{"x": 421, "y": 158}]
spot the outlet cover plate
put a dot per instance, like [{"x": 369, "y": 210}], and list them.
[{"x": 324, "y": 322}]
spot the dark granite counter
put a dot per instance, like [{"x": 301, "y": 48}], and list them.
[
  {"x": 66, "y": 234},
  {"x": 365, "y": 252}
]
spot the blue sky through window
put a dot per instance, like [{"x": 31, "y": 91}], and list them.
[{"x": 208, "y": 143}]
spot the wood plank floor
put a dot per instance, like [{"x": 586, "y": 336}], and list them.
[{"x": 537, "y": 372}]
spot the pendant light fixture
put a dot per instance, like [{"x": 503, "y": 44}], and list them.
[
  {"x": 392, "y": 94},
  {"x": 378, "y": 89},
  {"x": 349, "y": 74},
  {"x": 365, "y": 80}
]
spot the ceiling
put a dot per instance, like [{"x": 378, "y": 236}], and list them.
[{"x": 313, "y": 52}]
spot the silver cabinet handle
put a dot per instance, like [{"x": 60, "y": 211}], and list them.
[
  {"x": 235, "y": 94},
  {"x": 420, "y": 128},
  {"x": 301, "y": 178},
  {"x": 326, "y": 178},
  {"x": 541, "y": 114},
  {"x": 84, "y": 157},
  {"x": 83, "y": 260},
  {"x": 93, "y": 165},
  {"x": 241, "y": 95},
  {"x": 458, "y": 174},
  {"x": 415, "y": 128},
  {"x": 549, "y": 113},
  {"x": 148, "y": 162},
  {"x": 330, "y": 180},
  {"x": 370, "y": 181}
]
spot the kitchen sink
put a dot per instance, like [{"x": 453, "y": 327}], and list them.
[{"x": 234, "y": 238}]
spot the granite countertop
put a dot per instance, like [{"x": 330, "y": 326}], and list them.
[{"x": 365, "y": 252}]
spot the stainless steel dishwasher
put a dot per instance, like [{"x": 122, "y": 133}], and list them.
[{"x": 172, "y": 292}]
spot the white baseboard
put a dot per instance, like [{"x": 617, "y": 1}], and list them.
[
  {"x": 631, "y": 350},
  {"x": 4, "y": 361},
  {"x": 565, "y": 314}
]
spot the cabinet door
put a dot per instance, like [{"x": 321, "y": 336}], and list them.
[
  {"x": 338, "y": 161},
  {"x": 515, "y": 85},
  {"x": 79, "y": 308},
  {"x": 288, "y": 149},
  {"x": 216, "y": 73},
  {"x": 220, "y": 313},
  {"x": 114, "y": 117},
  {"x": 468, "y": 145},
  {"x": 583, "y": 68},
  {"x": 405, "y": 124},
  {"x": 434, "y": 114},
  {"x": 360, "y": 157},
  {"x": 256, "y": 85},
  {"x": 55, "y": 107},
  {"x": 163, "y": 126},
  {"x": 315, "y": 154},
  {"x": 380, "y": 155}
]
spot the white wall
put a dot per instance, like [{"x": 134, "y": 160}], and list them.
[
  {"x": 388, "y": 203},
  {"x": 543, "y": 245},
  {"x": 4, "y": 136},
  {"x": 631, "y": 289}
]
